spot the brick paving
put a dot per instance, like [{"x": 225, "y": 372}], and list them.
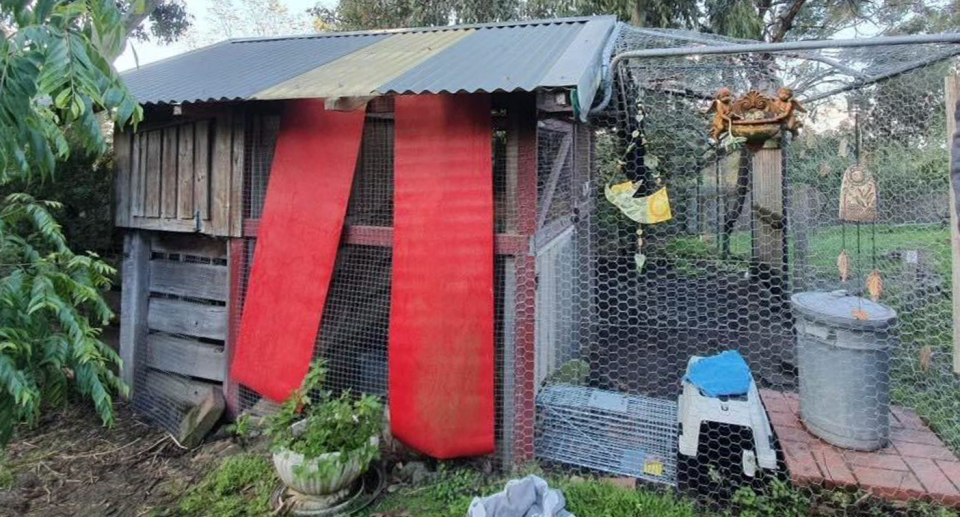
[{"x": 915, "y": 465}]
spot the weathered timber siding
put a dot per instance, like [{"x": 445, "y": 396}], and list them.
[{"x": 182, "y": 176}]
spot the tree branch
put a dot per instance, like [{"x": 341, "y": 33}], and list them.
[
  {"x": 786, "y": 21},
  {"x": 133, "y": 18}
]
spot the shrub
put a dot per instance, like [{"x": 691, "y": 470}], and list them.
[{"x": 341, "y": 424}]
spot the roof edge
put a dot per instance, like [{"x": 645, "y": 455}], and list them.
[{"x": 436, "y": 28}]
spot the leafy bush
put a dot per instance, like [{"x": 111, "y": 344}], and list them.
[
  {"x": 50, "y": 306},
  {"x": 341, "y": 424},
  {"x": 55, "y": 80},
  {"x": 239, "y": 487}
]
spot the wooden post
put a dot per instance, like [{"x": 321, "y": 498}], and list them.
[
  {"x": 768, "y": 206},
  {"x": 133, "y": 300},
  {"x": 522, "y": 140},
  {"x": 953, "y": 142},
  {"x": 237, "y": 265}
]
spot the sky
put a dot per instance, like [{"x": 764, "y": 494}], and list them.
[{"x": 147, "y": 52}]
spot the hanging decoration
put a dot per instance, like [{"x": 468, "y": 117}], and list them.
[
  {"x": 843, "y": 264},
  {"x": 753, "y": 118},
  {"x": 858, "y": 195},
  {"x": 626, "y": 196},
  {"x": 875, "y": 285},
  {"x": 858, "y": 205}
]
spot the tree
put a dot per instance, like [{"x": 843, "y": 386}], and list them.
[
  {"x": 55, "y": 76},
  {"x": 248, "y": 18},
  {"x": 168, "y": 19}
]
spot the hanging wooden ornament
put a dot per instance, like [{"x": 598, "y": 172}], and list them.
[
  {"x": 843, "y": 264},
  {"x": 858, "y": 195},
  {"x": 875, "y": 285}
]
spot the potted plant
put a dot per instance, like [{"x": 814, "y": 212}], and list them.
[{"x": 321, "y": 443}]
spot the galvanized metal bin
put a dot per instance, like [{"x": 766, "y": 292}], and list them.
[{"x": 844, "y": 367}]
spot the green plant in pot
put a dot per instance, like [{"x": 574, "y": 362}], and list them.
[{"x": 321, "y": 445}]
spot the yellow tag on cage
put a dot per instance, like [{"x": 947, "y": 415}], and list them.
[{"x": 653, "y": 468}]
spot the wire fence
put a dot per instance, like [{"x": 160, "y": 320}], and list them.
[{"x": 753, "y": 223}]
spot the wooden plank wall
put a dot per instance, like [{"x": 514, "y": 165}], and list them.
[
  {"x": 174, "y": 320},
  {"x": 185, "y": 176}
]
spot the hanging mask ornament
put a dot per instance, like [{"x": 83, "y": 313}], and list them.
[{"x": 858, "y": 196}]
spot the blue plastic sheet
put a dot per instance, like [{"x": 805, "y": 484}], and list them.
[{"x": 723, "y": 375}]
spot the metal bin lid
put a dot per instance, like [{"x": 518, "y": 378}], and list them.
[{"x": 836, "y": 308}]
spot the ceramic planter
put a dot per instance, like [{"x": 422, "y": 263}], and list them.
[{"x": 313, "y": 480}]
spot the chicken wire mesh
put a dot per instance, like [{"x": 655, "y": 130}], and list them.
[{"x": 750, "y": 229}]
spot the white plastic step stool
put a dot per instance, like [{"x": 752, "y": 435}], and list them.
[{"x": 694, "y": 408}]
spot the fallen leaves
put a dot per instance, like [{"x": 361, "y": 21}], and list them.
[
  {"x": 861, "y": 314},
  {"x": 875, "y": 285},
  {"x": 843, "y": 264},
  {"x": 926, "y": 357}
]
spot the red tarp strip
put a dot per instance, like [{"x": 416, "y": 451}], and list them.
[
  {"x": 306, "y": 202},
  {"x": 442, "y": 310}
]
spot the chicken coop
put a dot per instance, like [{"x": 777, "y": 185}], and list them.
[
  {"x": 223, "y": 254},
  {"x": 569, "y": 241}
]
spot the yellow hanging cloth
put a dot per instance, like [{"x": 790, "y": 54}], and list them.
[{"x": 651, "y": 209}]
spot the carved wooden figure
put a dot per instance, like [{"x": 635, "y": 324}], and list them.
[
  {"x": 788, "y": 107},
  {"x": 721, "y": 106},
  {"x": 858, "y": 195}
]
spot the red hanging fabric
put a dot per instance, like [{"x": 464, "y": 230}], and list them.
[
  {"x": 442, "y": 310},
  {"x": 306, "y": 202}
]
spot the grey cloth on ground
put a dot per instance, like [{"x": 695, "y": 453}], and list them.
[{"x": 527, "y": 497}]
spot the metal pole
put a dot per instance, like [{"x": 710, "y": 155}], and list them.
[
  {"x": 789, "y": 45},
  {"x": 777, "y": 47},
  {"x": 886, "y": 75}
]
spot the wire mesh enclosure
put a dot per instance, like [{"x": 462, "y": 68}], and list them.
[{"x": 752, "y": 227}]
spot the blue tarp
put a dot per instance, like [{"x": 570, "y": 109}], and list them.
[{"x": 723, "y": 375}]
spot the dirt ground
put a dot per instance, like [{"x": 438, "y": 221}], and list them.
[{"x": 71, "y": 465}]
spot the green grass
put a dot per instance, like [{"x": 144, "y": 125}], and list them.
[
  {"x": 7, "y": 477},
  {"x": 599, "y": 499},
  {"x": 825, "y": 245},
  {"x": 239, "y": 487},
  {"x": 448, "y": 495},
  {"x": 933, "y": 393}
]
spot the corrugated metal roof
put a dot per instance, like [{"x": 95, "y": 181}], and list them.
[
  {"x": 509, "y": 58},
  {"x": 470, "y": 58},
  {"x": 362, "y": 72},
  {"x": 236, "y": 69}
]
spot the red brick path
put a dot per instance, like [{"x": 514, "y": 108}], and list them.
[{"x": 916, "y": 464}]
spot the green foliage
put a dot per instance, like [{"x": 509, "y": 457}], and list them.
[
  {"x": 50, "y": 307},
  {"x": 242, "y": 427},
  {"x": 87, "y": 198},
  {"x": 53, "y": 76},
  {"x": 600, "y": 499},
  {"x": 239, "y": 487},
  {"x": 448, "y": 495},
  {"x": 779, "y": 499},
  {"x": 54, "y": 79},
  {"x": 343, "y": 424}
]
